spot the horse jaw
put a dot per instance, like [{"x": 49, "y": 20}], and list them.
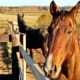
[{"x": 55, "y": 75}]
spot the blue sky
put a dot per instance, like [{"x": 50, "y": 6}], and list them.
[{"x": 37, "y": 2}]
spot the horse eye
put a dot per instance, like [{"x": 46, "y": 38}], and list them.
[{"x": 69, "y": 31}]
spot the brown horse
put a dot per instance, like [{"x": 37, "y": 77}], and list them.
[{"x": 63, "y": 61}]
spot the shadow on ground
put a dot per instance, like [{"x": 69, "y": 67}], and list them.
[{"x": 6, "y": 77}]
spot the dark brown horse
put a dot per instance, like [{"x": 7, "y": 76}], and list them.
[
  {"x": 63, "y": 62},
  {"x": 36, "y": 38}
]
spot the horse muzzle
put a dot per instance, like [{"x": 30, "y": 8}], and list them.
[{"x": 53, "y": 73}]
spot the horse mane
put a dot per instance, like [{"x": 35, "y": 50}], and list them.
[{"x": 75, "y": 10}]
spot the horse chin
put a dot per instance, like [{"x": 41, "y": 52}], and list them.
[{"x": 55, "y": 74}]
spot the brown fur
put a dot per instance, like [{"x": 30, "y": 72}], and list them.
[{"x": 63, "y": 44}]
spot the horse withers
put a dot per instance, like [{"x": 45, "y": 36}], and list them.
[
  {"x": 36, "y": 38},
  {"x": 63, "y": 61}
]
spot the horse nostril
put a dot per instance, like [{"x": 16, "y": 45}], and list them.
[
  {"x": 47, "y": 72},
  {"x": 54, "y": 68}
]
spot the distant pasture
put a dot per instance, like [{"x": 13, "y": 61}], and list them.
[{"x": 34, "y": 20}]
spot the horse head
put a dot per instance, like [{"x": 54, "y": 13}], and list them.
[
  {"x": 63, "y": 41},
  {"x": 22, "y": 24}
]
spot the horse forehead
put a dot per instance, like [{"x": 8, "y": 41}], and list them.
[
  {"x": 65, "y": 20},
  {"x": 62, "y": 20}
]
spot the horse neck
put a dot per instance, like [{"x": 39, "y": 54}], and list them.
[
  {"x": 74, "y": 64},
  {"x": 26, "y": 27},
  {"x": 77, "y": 60},
  {"x": 23, "y": 26},
  {"x": 77, "y": 50}
]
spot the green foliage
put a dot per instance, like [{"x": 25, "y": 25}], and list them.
[{"x": 44, "y": 20}]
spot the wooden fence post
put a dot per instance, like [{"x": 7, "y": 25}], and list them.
[
  {"x": 15, "y": 49},
  {"x": 15, "y": 66},
  {"x": 24, "y": 62}
]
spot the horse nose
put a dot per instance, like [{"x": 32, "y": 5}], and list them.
[
  {"x": 55, "y": 71},
  {"x": 47, "y": 71}
]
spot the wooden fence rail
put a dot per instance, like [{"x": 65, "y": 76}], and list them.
[{"x": 37, "y": 72}]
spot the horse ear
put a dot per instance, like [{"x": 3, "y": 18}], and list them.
[
  {"x": 53, "y": 8},
  {"x": 74, "y": 10}
]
